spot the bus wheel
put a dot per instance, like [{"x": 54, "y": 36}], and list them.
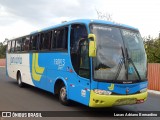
[
  {"x": 63, "y": 95},
  {"x": 19, "y": 80}
]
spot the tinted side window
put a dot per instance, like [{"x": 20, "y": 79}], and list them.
[
  {"x": 54, "y": 44},
  {"x": 45, "y": 39},
  {"x": 22, "y": 44},
  {"x": 25, "y": 43},
  {"x": 33, "y": 43},
  {"x": 13, "y": 46},
  {"x": 60, "y": 39},
  {"x": 9, "y": 46},
  {"x": 18, "y": 45},
  {"x": 78, "y": 32},
  {"x": 79, "y": 50}
]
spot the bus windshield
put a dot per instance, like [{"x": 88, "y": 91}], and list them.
[{"x": 120, "y": 54}]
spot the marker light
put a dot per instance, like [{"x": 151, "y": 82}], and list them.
[{"x": 102, "y": 92}]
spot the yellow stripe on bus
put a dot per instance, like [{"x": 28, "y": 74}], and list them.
[
  {"x": 36, "y": 68},
  {"x": 111, "y": 87}
]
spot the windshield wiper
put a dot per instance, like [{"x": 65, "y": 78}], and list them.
[
  {"x": 121, "y": 62},
  {"x": 126, "y": 61},
  {"x": 131, "y": 61}
]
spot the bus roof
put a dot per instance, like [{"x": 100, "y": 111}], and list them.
[{"x": 85, "y": 21}]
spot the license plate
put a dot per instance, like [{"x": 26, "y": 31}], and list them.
[{"x": 125, "y": 101}]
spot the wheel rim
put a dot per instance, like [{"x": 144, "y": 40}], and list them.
[{"x": 63, "y": 94}]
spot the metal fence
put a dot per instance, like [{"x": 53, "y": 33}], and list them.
[
  {"x": 153, "y": 75},
  {"x": 2, "y": 62}
]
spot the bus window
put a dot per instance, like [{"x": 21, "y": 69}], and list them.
[
  {"x": 60, "y": 39},
  {"x": 25, "y": 43},
  {"x": 33, "y": 42},
  {"x": 22, "y": 44},
  {"x": 53, "y": 42},
  {"x": 79, "y": 50},
  {"x": 13, "y": 46},
  {"x": 45, "y": 39},
  {"x": 9, "y": 47},
  {"x": 77, "y": 32},
  {"x": 18, "y": 45}
]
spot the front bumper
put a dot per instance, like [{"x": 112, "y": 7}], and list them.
[{"x": 97, "y": 100}]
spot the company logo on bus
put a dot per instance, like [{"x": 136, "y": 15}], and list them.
[{"x": 16, "y": 60}]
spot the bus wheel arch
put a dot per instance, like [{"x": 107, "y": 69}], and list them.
[
  {"x": 19, "y": 79},
  {"x": 60, "y": 88}
]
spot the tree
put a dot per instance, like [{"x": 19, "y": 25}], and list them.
[
  {"x": 104, "y": 15},
  {"x": 152, "y": 49},
  {"x": 2, "y": 50}
]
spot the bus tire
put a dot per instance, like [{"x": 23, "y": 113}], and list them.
[
  {"x": 63, "y": 95},
  {"x": 19, "y": 80}
]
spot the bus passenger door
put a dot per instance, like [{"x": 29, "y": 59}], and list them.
[{"x": 79, "y": 88}]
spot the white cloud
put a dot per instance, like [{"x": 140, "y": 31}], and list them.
[
  {"x": 143, "y": 14},
  {"x": 21, "y": 16},
  {"x": 16, "y": 29}
]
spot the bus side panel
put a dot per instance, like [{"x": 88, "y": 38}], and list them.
[
  {"x": 38, "y": 63},
  {"x": 43, "y": 69},
  {"x": 6, "y": 65},
  {"x": 46, "y": 68},
  {"x": 10, "y": 66},
  {"x": 58, "y": 66},
  {"x": 19, "y": 62}
]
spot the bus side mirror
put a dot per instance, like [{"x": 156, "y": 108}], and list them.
[{"x": 92, "y": 45}]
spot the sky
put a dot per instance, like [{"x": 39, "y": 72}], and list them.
[{"x": 20, "y": 17}]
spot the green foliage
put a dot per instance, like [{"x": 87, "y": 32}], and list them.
[
  {"x": 2, "y": 50},
  {"x": 152, "y": 47}
]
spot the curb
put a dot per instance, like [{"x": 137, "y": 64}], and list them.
[{"x": 154, "y": 92}]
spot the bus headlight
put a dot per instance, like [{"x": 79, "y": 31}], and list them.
[
  {"x": 143, "y": 90},
  {"x": 102, "y": 92}
]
